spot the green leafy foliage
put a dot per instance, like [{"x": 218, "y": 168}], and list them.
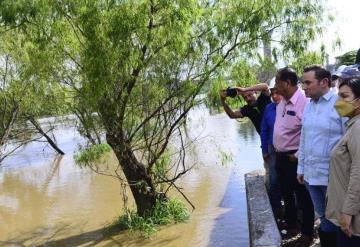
[
  {"x": 161, "y": 169},
  {"x": 347, "y": 58},
  {"x": 213, "y": 99},
  {"x": 241, "y": 75},
  {"x": 163, "y": 213},
  {"x": 306, "y": 59},
  {"x": 225, "y": 158},
  {"x": 137, "y": 67},
  {"x": 91, "y": 154}
]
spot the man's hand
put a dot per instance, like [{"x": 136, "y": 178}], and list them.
[
  {"x": 345, "y": 224},
  {"x": 300, "y": 178},
  {"x": 292, "y": 157},
  {"x": 266, "y": 158},
  {"x": 240, "y": 90},
  {"x": 222, "y": 94}
]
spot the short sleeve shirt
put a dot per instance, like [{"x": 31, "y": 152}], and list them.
[{"x": 256, "y": 112}]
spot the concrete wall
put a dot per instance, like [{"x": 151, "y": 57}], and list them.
[{"x": 263, "y": 230}]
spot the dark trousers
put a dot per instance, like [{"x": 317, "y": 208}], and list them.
[
  {"x": 287, "y": 172},
  {"x": 274, "y": 190},
  {"x": 344, "y": 241}
]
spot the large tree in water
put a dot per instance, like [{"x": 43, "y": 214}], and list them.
[{"x": 140, "y": 65}]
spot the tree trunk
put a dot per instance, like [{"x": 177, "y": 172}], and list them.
[
  {"x": 8, "y": 126},
  {"x": 141, "y": 184},
  {"x": 42, "y": 132},
  {"x": 7, "y": 129}
]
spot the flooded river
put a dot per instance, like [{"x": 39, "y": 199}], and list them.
[{"x": 47, "y": 200}]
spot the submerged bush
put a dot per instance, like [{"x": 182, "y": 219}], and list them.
[
  {"x": 165, "y": 212},
  {"x": 91, "y": 154}
]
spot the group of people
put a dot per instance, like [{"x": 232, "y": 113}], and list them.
[{"x": 310, "y": 136}]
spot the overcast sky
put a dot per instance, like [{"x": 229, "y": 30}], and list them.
[{"x": 345, "y": 25}]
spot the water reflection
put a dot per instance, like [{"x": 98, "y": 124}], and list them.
[
  {"x": 231, "y": 227},
  {"x": 235, "y": 205},
  {"x": 247, "y": 132},
  {"x": 48, "y": 200}
]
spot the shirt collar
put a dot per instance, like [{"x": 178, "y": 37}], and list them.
[
  {"x": 326, "y": 96},
  {"x": 295, "y": 97},
  {"x": 352, "y": 120}
]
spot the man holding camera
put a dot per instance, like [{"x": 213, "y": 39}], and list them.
[{"x": 255, "y": 105}]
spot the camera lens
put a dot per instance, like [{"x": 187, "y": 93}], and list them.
[{"x": 231, "y": 92}]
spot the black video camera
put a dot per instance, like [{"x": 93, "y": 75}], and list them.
[{"x": 231, "y": 92}]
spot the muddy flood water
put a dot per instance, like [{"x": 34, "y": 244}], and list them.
[{"x": 47, "y": 200}]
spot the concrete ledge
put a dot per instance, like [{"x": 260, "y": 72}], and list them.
[{"x": 262, "y": 226}]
